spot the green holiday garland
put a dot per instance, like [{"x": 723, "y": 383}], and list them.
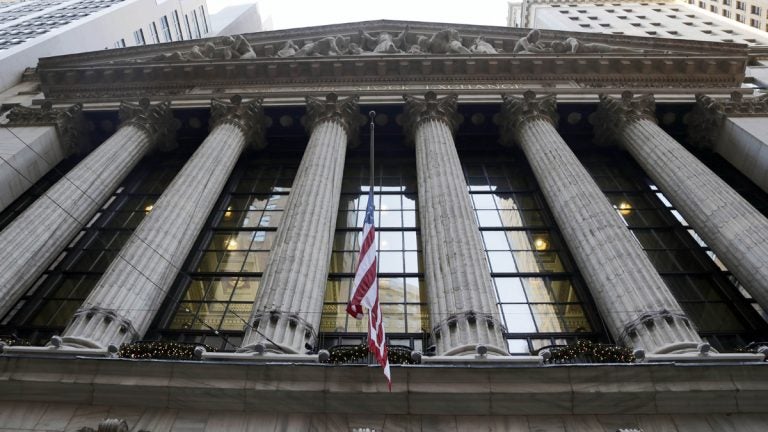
[
  {"x": 584, "y": 351},
  {"x": 160, "y": 350},
  {"x": 353, "y": 353}
]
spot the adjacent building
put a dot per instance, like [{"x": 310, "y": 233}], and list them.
[
  {"x": 33, "y": 29},
  {"x": 661, "y": 19},
  {"x": 571, "y": 233}
]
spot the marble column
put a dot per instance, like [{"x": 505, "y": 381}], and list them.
[
  {"x": 286, "y": 312},
  {"x": 462, "y": 302},
  {"x": 732, "y": 228},
  {"x": 633, "y": 300},
  {"x": 36, "y": 237},
  {"x": 33, "y": 142},
  {"x": 125, "y": 300}
]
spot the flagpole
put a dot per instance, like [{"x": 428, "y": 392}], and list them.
[{"x": 372, "y": 115}]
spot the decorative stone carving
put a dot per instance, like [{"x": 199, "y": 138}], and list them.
[
  {"x": 225, "y": 48},
  {"x": 480, "y": 46},
  {"x": 530, "y": 44},
  {"x": 529, "y": 107},
  {"x": 384, "y": 43},
  {"x": 69, "y": 123},
  {"x": 447, "y": 41},
  {"x": 248, "y": 117},
  {"x": 156, "y": 120},
  {"x": 572, "y": 45},
  {"x": 704, "y": 121},
  {"x": 708, "y": 115},
  {"x": 613, "y": 114},
  {"x": 329, "y": 45},
  {"x": 431, "y": 107},
  {"x": 344, "y": 111}
]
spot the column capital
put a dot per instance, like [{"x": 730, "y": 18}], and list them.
[
  {"x": 156, "y": 120},
  {"x": 515, "y": 111},
  {"x": 613, "y": 114},
  {"x": 249, "y": 118},
  {"x": 431, "y": 107},
  {"x": 344, "y": 111},
  {"x": 69, "y": 123},
  {"x": 704, "y": 121}
]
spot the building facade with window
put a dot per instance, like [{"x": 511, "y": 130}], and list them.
[
  {"x": 719, "y": 21},
  {"x": 39, "y": 28},
  {"x": 571, "y": 233}
]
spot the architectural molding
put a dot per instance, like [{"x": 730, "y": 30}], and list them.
[
  {"x": 344, "y": 111},
  {"x": 431, "y": 107},
  {"x": 515, "y": 111},
  {"x": 68, "y": 122},
  {"x": 707, "y": 117},
  {"x": 249, "y": 118},
  {"x": 156, "y": 120},
  {"x": 613, "y": 114}
]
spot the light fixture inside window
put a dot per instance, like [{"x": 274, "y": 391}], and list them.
[
  {"x": 232, "y": 244},
  {"x": 540, "y": 243},
  {"x": 625, "y": 208},
  {"x": 228, "y": 213},
  {"x": 148, "y": 208}
]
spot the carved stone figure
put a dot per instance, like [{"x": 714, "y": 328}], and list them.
[
  {"x": 236, "y": 47},
  {"x": 573, "y": 45},
  {"x": 288, "y": 50},
  {"x": 530, "y": 44},
  {"x": 480, "y": 46},
  {"x": 384, "y": 43},
  {"x": 447, "y": 41},
  {"x": 330, "y": 45},
  {"x": 420, "y": 47},
  {"x": 227, "y": 47}
]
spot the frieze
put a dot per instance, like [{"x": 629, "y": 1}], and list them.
[{"x": 445, "y": 41}]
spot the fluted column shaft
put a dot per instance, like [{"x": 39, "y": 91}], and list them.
[
  {"x": 633, "y": 300},
  {"x": 461, "y": 296},
  {"x": 37, "y": 236},
  {"x": 125, "y": 300},
  {"x": 286, "y": 313},
  {"x": 730, "y": 226}
]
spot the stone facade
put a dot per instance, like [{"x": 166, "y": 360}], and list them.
[{"x": 238, "y": 228}]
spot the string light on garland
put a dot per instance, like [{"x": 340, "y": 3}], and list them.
[
  {"x": 755, "y": 347},
  {"x": 14, "y": 341},
  {"x": 342, "y": 354},
  {"x": 584, "y": 351},
  {"x": 160, "y": 350}
]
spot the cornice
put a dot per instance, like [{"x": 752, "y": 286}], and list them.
[{"x": 594, "y": 71}]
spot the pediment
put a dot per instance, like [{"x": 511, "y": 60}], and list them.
[{"x": 395, "y": 51}]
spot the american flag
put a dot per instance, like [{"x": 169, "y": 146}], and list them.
[{"x": 366, "y": 292}]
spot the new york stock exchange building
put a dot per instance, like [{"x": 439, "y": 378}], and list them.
[{"x": 571, "y": 229}]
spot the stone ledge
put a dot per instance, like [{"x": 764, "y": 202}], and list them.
[{"x": 425, "y": 389}]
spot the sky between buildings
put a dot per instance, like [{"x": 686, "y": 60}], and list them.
[{"x": 303, "y": 13}]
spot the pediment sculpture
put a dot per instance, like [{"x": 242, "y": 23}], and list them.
[{"x": 446, "y": 41}]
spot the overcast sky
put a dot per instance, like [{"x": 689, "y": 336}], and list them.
[{"x": 303, "y": 13}]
